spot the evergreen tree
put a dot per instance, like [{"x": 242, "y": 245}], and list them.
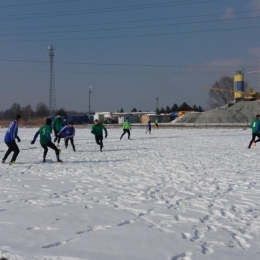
[
  {"x": 134, "y": 110},
  {"x": 195, "y": 108},
  {"x": 175, "y": 108},
  {"x": 62, "y": 112},
  {"x": 184, "y": 107},
  {"x": 162, "y": 111},
  {"x": 167, "y": 110}
]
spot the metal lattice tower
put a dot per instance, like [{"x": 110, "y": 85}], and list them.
[{"x": 52, "y": 97}]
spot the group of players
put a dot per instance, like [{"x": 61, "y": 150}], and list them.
[
  {"x": 67, "y": 131},
  {"x": 61, "y": 130}
]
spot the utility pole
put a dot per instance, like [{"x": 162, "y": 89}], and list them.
[
  {"x": 157, "y": 104},
  {"x": 52, "y": 94}
]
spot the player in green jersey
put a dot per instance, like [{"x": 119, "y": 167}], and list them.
[
  {"x": 126, "y": 128},
  {"x": 45, "y": 140},
  {"x": 97, "y": 130},
  {"x": 57, "y": 126},
  {"x": 255, "y": 125}
]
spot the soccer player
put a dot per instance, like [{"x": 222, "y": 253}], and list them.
[
  {"x": 68, "y": 132},
  {"x": 126, "y": 128},
  {"x": 57, "y": 125},
  {"x": 10, "y": 136},
  {"x": 45, "y": 140},
  {"x": 156, "y": 123},
  {"x": 97, "y": 130},
  {"x": 255, "y": 125},
  {"x": 149, "y": 126}
]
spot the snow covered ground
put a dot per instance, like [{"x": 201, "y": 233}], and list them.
[{"x": 177, "y": 194}]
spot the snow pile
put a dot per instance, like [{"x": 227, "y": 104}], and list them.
[
  {"x": 241, "y": 112},
  {"x": 175, "y": 194}
]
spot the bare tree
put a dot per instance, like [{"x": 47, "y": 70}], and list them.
[
  {"x": 223, "y": 96},
  {"x": 16, "y": 109},
  {"x": 27, "y": 113},
  {"x": 8, "y": 114},
  {"x": 42, "y": 110}
]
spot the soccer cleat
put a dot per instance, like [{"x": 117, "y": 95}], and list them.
[
  {"x": 44, "y": 160},
  {"x": 3, "y": 161},
  {"x": 12, "y": 163},
  {"x": 66, "y": 147},
  {"x": 59, "y": 160},
  {"x": 254, "y": 143}
]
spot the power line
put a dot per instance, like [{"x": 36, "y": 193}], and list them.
[
  {"x": 102, "y": 10},
  {"x": 122, "y": 73},
  {"x": 124, "y": 64},
  {"x": 41, "y": 3},
  {"x": 132, "y": 27},
  {"x": 134, "y": 35},
  {"x": 122, "y": 22}
]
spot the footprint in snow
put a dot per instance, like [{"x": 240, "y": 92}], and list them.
[
  {"x": 185, "y": 235},
  {"x": 58, "y": 243},
  {"x": 197, "y": 234},
  {"x": 207, "y": 248},
  {"x": 183, "y": 256},
  {"x": 126, "y": 222}
]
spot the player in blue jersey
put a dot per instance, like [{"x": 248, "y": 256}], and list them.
[
  {"x": 149, "y": 126},
  {"x": 10, "y": 136},
  {"x": 68, "y": 132}
]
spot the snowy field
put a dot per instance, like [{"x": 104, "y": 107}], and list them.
[{"x": 177, "y": 194}]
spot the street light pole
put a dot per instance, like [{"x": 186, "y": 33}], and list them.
[{"x": 89, "y": 99}]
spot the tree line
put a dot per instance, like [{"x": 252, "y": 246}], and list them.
[
  {"x": 183, "y": 107},
  {"x": 41, "y": 111},
  {"x": 167, "y": 110},
  {"x": 27, "y": 113}
]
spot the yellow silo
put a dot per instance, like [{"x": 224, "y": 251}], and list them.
[{"x": 239, "y": 85}]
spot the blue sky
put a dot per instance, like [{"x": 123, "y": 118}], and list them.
[{"x": 131, "y": 52}]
